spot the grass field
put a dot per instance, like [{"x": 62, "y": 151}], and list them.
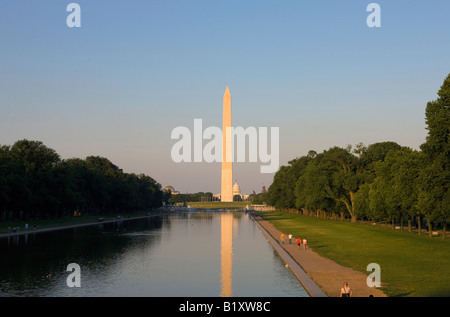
[{"x": 411, "y": 265}]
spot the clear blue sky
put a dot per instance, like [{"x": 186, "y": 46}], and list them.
[{"x": 117, "y": 86}]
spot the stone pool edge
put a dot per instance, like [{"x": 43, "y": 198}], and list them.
[{"x": 308, "y": 284}]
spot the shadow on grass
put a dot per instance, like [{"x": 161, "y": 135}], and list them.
[
  {"x": 321, "y": 246},
  {"x": 270, "y": 218},
  {"x": 441, "y": 293},
  {"x": 406, "y": 294}
]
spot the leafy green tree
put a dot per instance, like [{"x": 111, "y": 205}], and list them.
[
  {"x": 433, "y": 194},
  {"x": 398, "y": 174},
  {"x": 281, "y": 193},
  {"x": 362, "y": 202},
  {"x": 435, "y": 177},
  {"x": 312, "y": 187},
  {"x": 36, "y": 183},
  {"x": 15, "y": 192},
  {"x": 35, "y": 155},
  {"x": 259, "y": 199},
  {"x": 406, "y": 166},
  {"x": 237, "y": 198},
  {"x": 342, "y": 178},
  {"x": 437, "y": 114},
  {"x": 377, "y": 199},
  {"x": 371, "y": 155}
]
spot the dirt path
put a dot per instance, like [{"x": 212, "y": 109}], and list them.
[{"x": 327, "y": 274}]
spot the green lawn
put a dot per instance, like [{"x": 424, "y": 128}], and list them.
[{"x": 411, "y": 265}]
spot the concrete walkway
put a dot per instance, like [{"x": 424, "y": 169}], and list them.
[{"x": 325, "y": 273}]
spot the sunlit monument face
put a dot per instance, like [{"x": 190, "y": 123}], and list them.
[{"x": 227, "y": 168}]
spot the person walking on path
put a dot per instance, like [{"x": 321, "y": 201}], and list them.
[
  {"x": 304, "y": 243},
  {"x": 346, "y": 291},
  {"x": 299, "y": 242},
  {"x": 290, "y": 238},
  {"x": 282, "y": 238}
]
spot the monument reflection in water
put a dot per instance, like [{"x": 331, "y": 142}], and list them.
[
  {"x": 183, "y": 254},
  {"x": 226, "y": 254}
]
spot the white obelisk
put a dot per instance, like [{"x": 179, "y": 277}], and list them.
[{"x": 227, "y": 168}]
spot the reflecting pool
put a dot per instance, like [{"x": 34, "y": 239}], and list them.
[{"x": 183, "y": 254}]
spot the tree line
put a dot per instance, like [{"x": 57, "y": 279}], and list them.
[
  {"x": 201, "y": 197},
  {"x": 194, "y": 197},
  {"x": 35, "y": 183},
  {"x": 380, "y": 182}
]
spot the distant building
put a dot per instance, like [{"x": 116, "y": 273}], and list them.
[
  {"x": 236, "y": 189},
  {"x": 263, "y": 191},
  {"x": 171, "y": 190}
]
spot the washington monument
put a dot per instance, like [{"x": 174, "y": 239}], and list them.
[{"x": 227, "y": 167}]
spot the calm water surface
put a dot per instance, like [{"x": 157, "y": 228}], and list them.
[{"x": 188, "y": 254}]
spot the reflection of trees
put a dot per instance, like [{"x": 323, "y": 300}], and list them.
[
  {"x": 25, "y": 265},
  {"x": 201, "y": 215},
  {"x": 101, "y": 250},
  {"x": 226, "y": 254}
]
